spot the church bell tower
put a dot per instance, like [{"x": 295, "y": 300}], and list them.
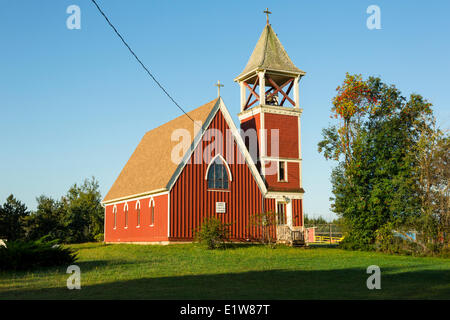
[{"x": 270, "y": 106}]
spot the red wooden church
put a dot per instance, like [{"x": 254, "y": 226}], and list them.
[{"x": 182, "y": 172}]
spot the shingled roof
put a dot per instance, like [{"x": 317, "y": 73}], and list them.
[
  {"x": 269, "y": 54},
  {"x": 150, "y": 167}
]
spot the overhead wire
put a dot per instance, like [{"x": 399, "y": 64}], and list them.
[{"x": 139, "y": 60}]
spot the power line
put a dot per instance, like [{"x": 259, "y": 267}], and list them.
[{"x": 139, "y": 60}]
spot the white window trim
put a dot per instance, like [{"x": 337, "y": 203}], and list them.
[
  {"x": 152, "y": 201},
  {"x": 230, "y": 177},
  {"x": 115, "y": 217},
  {"x": 285, "y": 171},
  {"x": 138, "y": 206},
  {"x": 125, "y": 212}
]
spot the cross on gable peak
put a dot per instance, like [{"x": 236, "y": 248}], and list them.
[
  {"x": 267, "y": 12},
  {"x": 218, "y": 85}
]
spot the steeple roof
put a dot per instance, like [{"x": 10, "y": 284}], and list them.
[{"x": 269, "y": 54}]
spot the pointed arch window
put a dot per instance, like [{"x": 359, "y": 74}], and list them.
[
  {"x": 152, "y": 212},
  {"x": 115, "y": 216},
  {"x": 126, "y": 215},
  {"x": 138, "y": 214},
  {"x": 218, "y": 173}
]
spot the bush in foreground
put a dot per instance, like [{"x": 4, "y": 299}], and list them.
[
  {"x": 26, "y": 255},
  {"x": 212, "y": 233}
]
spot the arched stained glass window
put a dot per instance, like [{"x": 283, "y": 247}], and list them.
[{"x": 218, "y": 175}]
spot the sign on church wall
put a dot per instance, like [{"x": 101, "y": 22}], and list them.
[{"x": 221, "y": 207}]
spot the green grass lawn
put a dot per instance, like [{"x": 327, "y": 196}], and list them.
[{"x": 243, "y": 272}]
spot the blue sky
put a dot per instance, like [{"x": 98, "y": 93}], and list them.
[{"x": 75, "y": 103}]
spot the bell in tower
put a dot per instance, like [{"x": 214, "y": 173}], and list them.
[{"x": 269, "y": 76}]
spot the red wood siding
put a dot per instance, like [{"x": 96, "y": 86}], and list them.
[
  {"x": 297, "y": 212},
  {"x": 293, "y": 175},
  {"x": 253, "y": 122},
  {"x": 288, "y": 134},
  {"x": 145, "y": 232},
  {"x": 191, "y": 201}
]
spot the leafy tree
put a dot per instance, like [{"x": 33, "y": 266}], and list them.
[
  {"x": 353, "y": 101},
  {"x": 376, "y": 183},
  {"x": 83, "y": 217},
  {"x": 12, "y": 216},
  {"x": 77, "y": 217},
  {"x": 433, "y": 158}
]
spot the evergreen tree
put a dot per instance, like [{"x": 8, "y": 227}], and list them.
[
  {"x": 47, "y": 220},
  {"x": 12, "y": 216}
]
